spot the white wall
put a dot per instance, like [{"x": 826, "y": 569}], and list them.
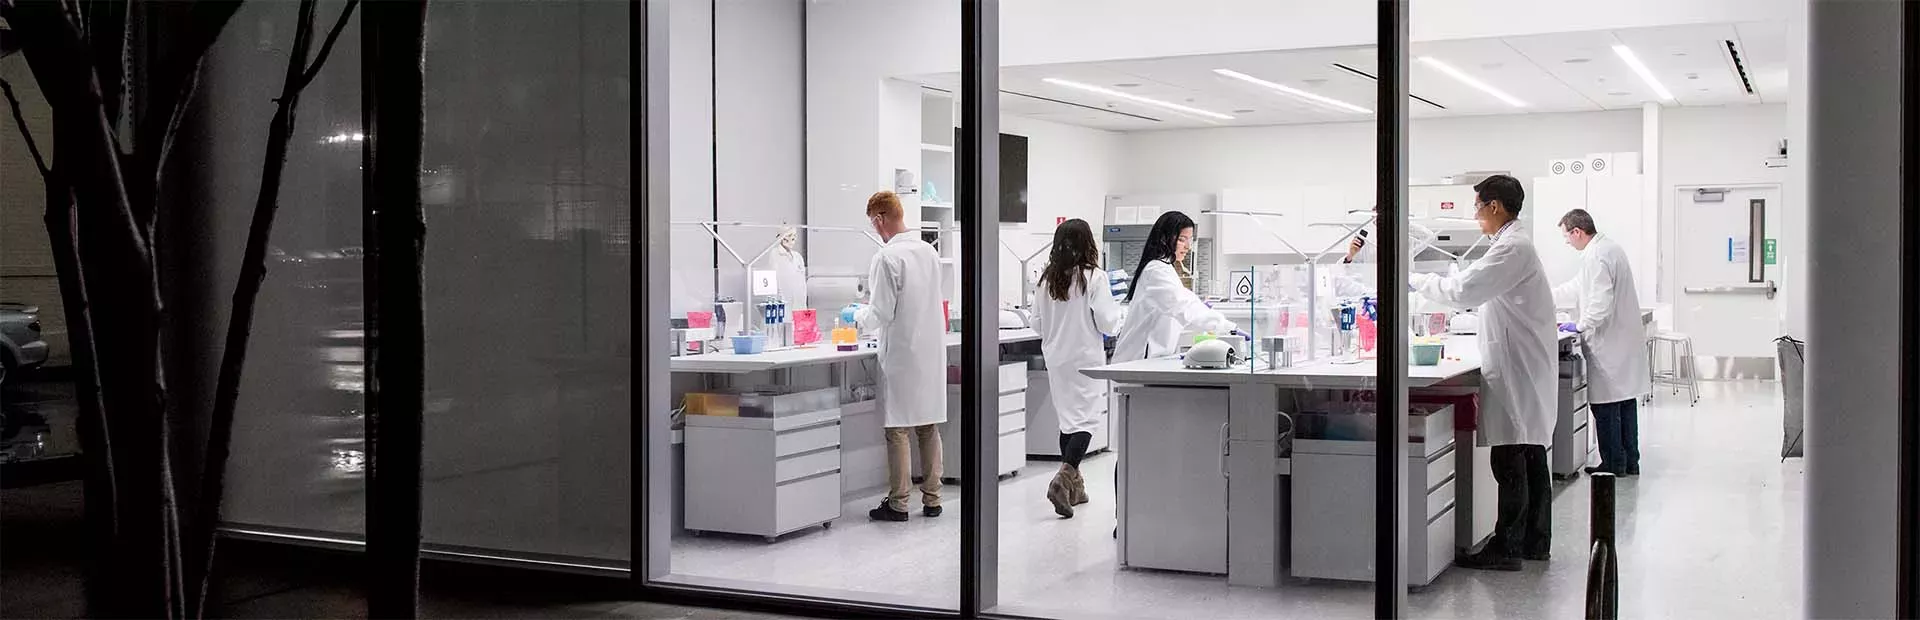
[
  {"x": 690, "y": 132},
  {"x": 1725, "y": 146},
  {"x": 737, "y": 130},
  {"x": 759, "y": 126},
  {"x": 1070, "y": 172}
]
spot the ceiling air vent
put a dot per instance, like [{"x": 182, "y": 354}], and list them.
[{"x": 1739, "y": 66}]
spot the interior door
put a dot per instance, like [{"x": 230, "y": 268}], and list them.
[{"x": 1725, "y": 302}]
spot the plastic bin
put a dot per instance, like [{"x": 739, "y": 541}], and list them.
[
  {"x": 749, "y": 344},
  {"x": 1427, "y": 354}
]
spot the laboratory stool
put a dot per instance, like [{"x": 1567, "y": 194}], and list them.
[{"x": 1670, "y": 357}]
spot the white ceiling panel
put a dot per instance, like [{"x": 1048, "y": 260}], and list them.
[{"x": 1564, "y": 72}]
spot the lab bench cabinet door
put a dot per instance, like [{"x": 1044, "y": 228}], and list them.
[{"x": 1175, "y": 489}]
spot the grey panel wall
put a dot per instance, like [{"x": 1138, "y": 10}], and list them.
[{"x": 759, "y": 123}]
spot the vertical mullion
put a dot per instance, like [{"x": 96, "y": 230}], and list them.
[
  {"x": 1390, "y": 170},
  {"x": 652, "y": 465},
  {"x": 393, "y": 45},
  {"x": 1907, "y": 574},
  {"x": 978, "y": 158}
]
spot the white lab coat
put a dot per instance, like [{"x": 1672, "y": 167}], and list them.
[
  {"x": 790, "y": 276},
  {"x": 905, "y": 312},
  {"x": 1071, "y": 339},
  {"x": 1518, "y": 351},
  {"x": 1608, "y": 308},
  {"x": 1161, "y": 309}
]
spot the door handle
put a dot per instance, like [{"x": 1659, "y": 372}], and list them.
[
  {"x": 1224, "y": 448},
  {"x": 1767, "y": 288}
]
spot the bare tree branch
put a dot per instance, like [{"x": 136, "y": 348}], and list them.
[
  {"x": 253, "y": 273},
  {"x": 18, "y": 119},
  {"x": 327, "y": 47},
  {"x": 172, "y": 87}
]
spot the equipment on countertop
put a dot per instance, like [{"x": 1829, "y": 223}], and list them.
[
  {"x": 1015, "y": 318},
  {"x": 1464, "y": 323},
  {"x": 1211, "y": 354}
]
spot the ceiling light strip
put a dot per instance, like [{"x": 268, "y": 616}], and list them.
[
  {"x": 1640, "y": 68},
  {"x": 1138, "y": 99},
  {"x": 1320, "y": 99},
  {"x": 1471, "y": 81}
]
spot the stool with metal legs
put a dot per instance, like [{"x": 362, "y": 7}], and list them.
[{"x": 1670, "y": 357}]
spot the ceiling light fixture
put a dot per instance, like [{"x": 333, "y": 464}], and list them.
[
  {"x": 1137, "y": 99},
  {"x": 1320, "y": 99},
  {"x": 1639, "y": 68},
  {"x": 1471, "y": 81}
]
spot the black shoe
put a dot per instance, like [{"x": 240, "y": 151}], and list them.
[
  {"x": 1488, "y": 560},
  {"x": 1633, "y": 471},
  {"x": 1538, "y": 556},
  {"x": 928, "y": 511},
  {"x": 886, "y": 513}
]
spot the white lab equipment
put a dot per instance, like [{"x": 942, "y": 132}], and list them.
[
  {"x": 790, "y": 269},
  {"x": 1211, "y": 354},
  {"x": 1607, "y": 311},
  {"x": 1161, "y": 309},
  {"x": 1518, "y": 345}
]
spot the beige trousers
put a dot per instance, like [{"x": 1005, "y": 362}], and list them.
[{"x": 900, "y": 465}]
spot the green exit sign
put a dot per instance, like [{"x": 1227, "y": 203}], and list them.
[{"x": 1771, "y": 252}]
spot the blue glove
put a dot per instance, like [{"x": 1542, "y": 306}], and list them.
[
  {"x": 1570, "y": 328},
  {"x": 847, "y": 313},
  {"x": 1248, "y": 337}
]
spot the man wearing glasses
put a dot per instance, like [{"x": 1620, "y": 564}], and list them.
[{"x": 1518, "y": 369}]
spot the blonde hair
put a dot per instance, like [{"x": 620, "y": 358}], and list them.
[{"x": 886, "y": 205}]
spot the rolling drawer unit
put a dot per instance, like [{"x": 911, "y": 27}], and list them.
[
  {"x": 762, "y": 476},
  {"x": 1012, "y": 407},
  {"x": 1332, "y": 503},
  {"x": 1572, "y": 447}
]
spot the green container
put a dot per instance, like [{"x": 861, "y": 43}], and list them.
[{"x": 1427, "y": 354}]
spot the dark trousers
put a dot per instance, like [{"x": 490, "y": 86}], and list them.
[
  {"x": 1525, "y": 526},
  {"x": 1073, "y": 447},
  {"x": 1619, "y": 427}
]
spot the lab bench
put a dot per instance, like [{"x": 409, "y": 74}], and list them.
[{"x": 1573, "y": 442}]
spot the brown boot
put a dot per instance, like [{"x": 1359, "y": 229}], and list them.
[
  {"x": 1078, "y": 485},
  {"x": 1060, "y": 493}
]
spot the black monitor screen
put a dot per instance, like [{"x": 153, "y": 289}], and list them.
[{"x": 1013, "y": 178}]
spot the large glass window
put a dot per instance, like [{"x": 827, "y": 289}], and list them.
[
  {"x": 527, "y": 189},
  {"x": 1206, "y": 166},
  {"x": 815, "y": 274}
]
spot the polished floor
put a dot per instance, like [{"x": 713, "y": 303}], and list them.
[{"x": 1712, "y": 529}]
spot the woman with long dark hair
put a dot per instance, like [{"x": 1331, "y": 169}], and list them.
[
  {"x": 1159, "y": 306},
  {"x": 1073, "y": 310}
]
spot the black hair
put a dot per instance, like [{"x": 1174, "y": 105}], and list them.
[
  {"x": 1072, "y": 255},
  {"x": 1503, "y": 188},
  {"x": 1160, "y": 242},
  {"x": 1579, "y": 219}
]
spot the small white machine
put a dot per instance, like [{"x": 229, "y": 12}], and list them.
[
  {"x": 1015, "y": 318},
  {"x": 1211, "y": 354}
]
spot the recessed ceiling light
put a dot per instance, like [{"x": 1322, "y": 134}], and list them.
[
  {"x": 1314, "y": 81},
  {"x": 1679, "y": 53},
  {"x": 1693, "y": 76},
  {"x": 1137, "y": 99},
  {"x": 1471, "y": 81},
  {"x": 1577, "y": 61},
  {"x": 1243, "y": 111},
  {"x": 1127, "y": 85},
  {"x": 1639, "y": 68},
  {"x": 1619, "y": 93},
  {"x": 1320, "y": 99}
]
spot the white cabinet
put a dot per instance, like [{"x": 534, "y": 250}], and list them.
[
  {"x": 762, "y": 476},
  {"x": 1619, "y": 211},
  {"x": 1011, "y": 404},
  {"x": 1173, "y": 485},
  {"x": 1043, "y": 425},
  {"x": 1332, "y": 504}
]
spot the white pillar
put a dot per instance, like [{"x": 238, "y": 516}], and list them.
[
  {"x": 1853, "y": 160},
  {"x": 1793, "y": 232},
  {"x": 1651, "y": 194}
]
